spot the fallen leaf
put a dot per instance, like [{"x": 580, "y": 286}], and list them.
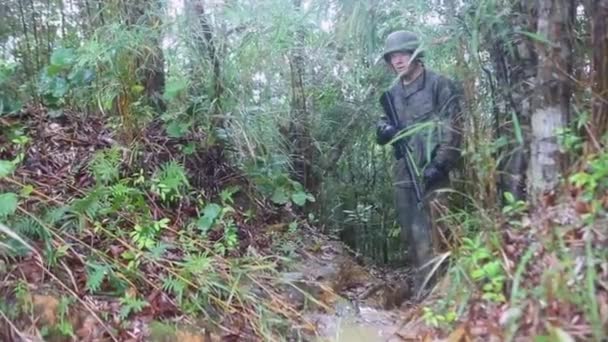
[
  {"x": 548, "y": 200},
  {"x": 88, "y": 328},
  {"x": 46, "y": 307},
  {"x": 582, "y": 207},
  {"x": 509, "y": 316},
  {"x": 603, "y": 304},
  {"x": 184, "y": 336},
  {"x": 560, "y": 335},
  {"x": 116, "y": 250},
  {"x": 458, "y": 335}
]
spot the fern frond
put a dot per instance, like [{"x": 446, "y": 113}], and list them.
[
  {"x": 96, "y": 273},
  {"x": 105, "y": 165},
  {"x": 30, "y": 228},
  {"x": 196, "y": 264},
  {"x": 172, "y": 175},
  {"x": 91, "y": 204},
  {"x": 55, "y": 215},
  {"x": 174, "y": 286}
]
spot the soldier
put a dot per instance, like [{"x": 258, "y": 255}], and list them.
[{"x": 421, "y": 97}]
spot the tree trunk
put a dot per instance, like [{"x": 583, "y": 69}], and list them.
[
  {"x": 27, "y": 54},
  {"x": 62, "y": 14},
  {"x": 597, "y": 10},
  {"x": 100, "y": 10},
  {"x": 515, "y": 64},
  {"x": 150, "y": 67},
  {"x": 299, "y": 132},
  {"x": 552, "y": 94},
  {"x": 36, "y": 40},
  {"x": 206, "y": 44},
  {"x": 88, "y": 27},
  {"x": 48, "y": 31}
]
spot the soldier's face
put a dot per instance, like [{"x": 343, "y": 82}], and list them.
[{"x": 400, "y": 61}]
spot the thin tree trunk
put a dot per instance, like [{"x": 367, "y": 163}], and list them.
[
  {"x": 515, "y": 63},
  {"x": 89, "y": 23},
  {"x": 597, "y": 10},
  {"x": 27, "y": 62},
  {"x": 299, "y": 132},
  {"x": 207, "y": 44},
  {"x": 151, "y": 66},
  {"x": 36, "y": 40},
  {"x": 62, "y": 9},
  {"x": 102, "y": 20},
  {"x": 552, "y": 94},
  {"x": 48, "y": 31}
]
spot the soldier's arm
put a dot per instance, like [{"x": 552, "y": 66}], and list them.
[{"x": 449, "y": 99}]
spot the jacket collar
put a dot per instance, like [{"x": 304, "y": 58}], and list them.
[{"x": 416, "y": 86}]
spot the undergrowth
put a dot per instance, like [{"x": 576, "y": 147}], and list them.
[
  {"x": 129, "y": 236},
  {"x": 527, "y": 272}
]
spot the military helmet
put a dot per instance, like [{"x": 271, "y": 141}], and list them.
[{"x": 401, "y": 40}]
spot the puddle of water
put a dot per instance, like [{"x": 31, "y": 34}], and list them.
[{"x": 368, "y": 325}]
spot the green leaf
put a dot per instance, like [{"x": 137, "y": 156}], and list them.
[
  {"x": 517, "y": 129},
  {"x": 560, "y": 335},
  {"x": 189, "y": 148},
  {"x": 174, "y": 88},
  {"x": 6, "y": 168},
  {"x": 53, "y": 70},
  {"x": 59, "y": 87},
  {"x": 8, "y": 203},
  {"x": 279, "y": 196},
  {"x": 227, "y": 194},
  {"x": 137, "y": 89},
  {"x": 299, "y": 198},
  {"x": 493, "y": 269},
  {"x": 63, "y": 57},
  {"x": 210, "y": 214},
  {"x": 27, "y": 190},
  {"x": 55, "y": 113},
  {"x": 177, "y": 129},
  {"x": 293, "y": 226},
  {"x": 477, "y": 274}
]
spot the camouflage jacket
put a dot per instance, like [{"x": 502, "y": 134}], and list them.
[{"x": 429, "y": 108}]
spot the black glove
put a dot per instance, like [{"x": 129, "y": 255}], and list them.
[
  {"x": 385, "y": 132},
  {"x": 432, "y": 174}
]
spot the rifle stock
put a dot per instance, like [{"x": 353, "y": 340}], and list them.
[{"x": 386, "y": 101}]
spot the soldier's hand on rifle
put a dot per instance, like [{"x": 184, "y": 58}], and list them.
[
  {"x": 432, "y": 174},
  {"x": 385, "y": 132}
]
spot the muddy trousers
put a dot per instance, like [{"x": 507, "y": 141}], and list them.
[{"x": 417, "y": 227}]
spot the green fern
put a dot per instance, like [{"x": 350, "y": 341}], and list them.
[
  {"x": 30, "y": 228},
  {"x": 96, "y": 273},
  {"x": 23, "y": 296},
  {"x": 145, "y": 235},
  {"x": 64, "y": 326},
  {"x": 123, "y": 197},
  {"x": 197, "y": 264},
  {"x": 55, "y": 215},
  {"x": 170, "y": 181},
  {"x": 105, "y": 165},
  {"x": 156, "y": 252},
  {"x": 131, "y": 304},
  {"x": 174, "y": 286},
  {"x": 91, "y": 204}
]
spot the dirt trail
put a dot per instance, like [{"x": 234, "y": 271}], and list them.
[{"x": 365, "y": 304}]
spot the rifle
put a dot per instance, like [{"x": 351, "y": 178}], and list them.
[{"x": 386, "y": 101}]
